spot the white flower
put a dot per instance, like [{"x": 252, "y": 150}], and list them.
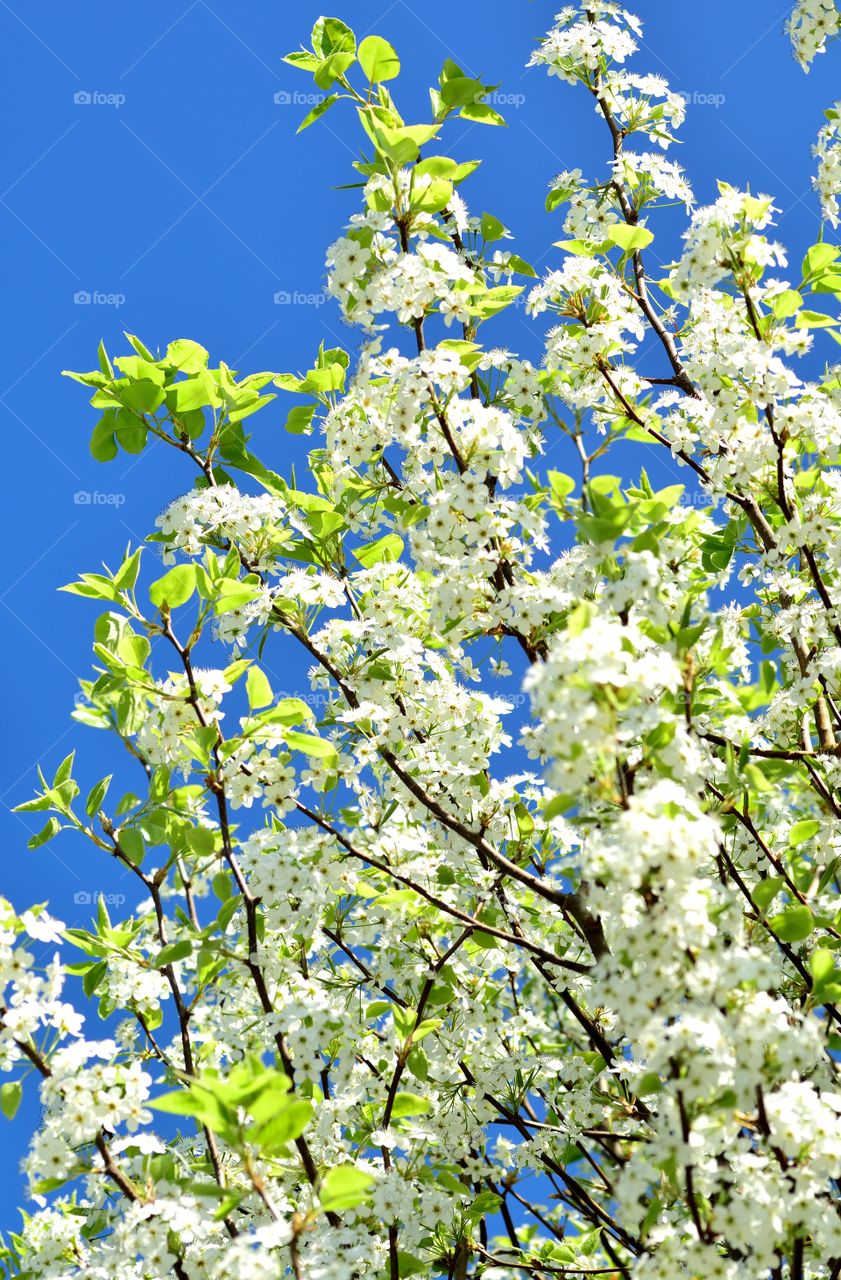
[{"x": 42, "y": 926}]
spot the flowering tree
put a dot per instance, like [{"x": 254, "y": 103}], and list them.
[{"x": 389, "y": 1005}]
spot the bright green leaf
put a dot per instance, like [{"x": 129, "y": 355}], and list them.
[{"x": 378, "y": 60}]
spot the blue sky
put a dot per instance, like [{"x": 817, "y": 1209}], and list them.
[{"x": 152, "y": 167}]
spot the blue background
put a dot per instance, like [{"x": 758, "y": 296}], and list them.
[{"x": 193, "y": 203}]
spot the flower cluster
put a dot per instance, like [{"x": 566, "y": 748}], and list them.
[
  {"x": 811, "y": 24},
  {"x": 371, "y": 280},
  {"x": 220, "y": 515},
  {"x": 585, "y": 38},
  {"x": 175, "y": 708},
  {"x": 827, "y": 151}
]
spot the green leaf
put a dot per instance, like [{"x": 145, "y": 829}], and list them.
[
  {"x": 174, "y": 951},
  {"x": 425, "y": 1028},
  {"x": 400, "y": 145},
  {"x": 52, "y": 828},
  {"x": 437, "y": 167},
  {"x": 766, "y": 891},
  {"x": 525, "y": 822},
  {"x": 144, "y": 396},
  {"x": 557, "y": 806},
  {"x": 756, "y": 779},
  {"x": 64, "y": 770},
  {"x": 332, "y": 69},
  {"x": 485, "y": 1202},
  {"x": 287, "y": 711},
  {"x": 139, "y": 369},
  {"x": 331, "y": 35},
  {"x": 299, "y": 419},
  {"x": 343, "y": 1188},
  {"x": 310, "y": 745},
  {"x": 794, "y": 924},
  {"x": 195, "y": 1101},
  {"x": 628, "y": 238},
  {"x": 11, "y": 1092},
  {"x": 804, "y": 830},
  {"x": 258, "y": 689},
  {"x": 132, "y": 845},
  {"x": 201, "y": 840},
  {"x": 581, "y": 248},
  {"x": 288, "y": 1123},
  {"x": 199, "y": 391},
  {"x": 385, "y": 550},
  {"x": 103, "y": 446},
  {"x": 409, "y": 1104},
  {"x": 94, "y": 977},
  {"x": 236, "y": 670},
  {"x": 126, "y": 576},
  {"x": 104, "y": 362},
  {"x": 410, "y": 1265},
  {"x": 142, "y": 351},
  {"x": 462, "y": 91},
  {"x": 815, "y": 320},
  {"x": 131, "y": 434},
  {"x": 786, "y": 304},
  {"x": 96, "y": 796},
  {"x": 36, "y": 805},
  {"x": 233, "y": 594},
  {"x": 523, "y": 268},
  {"x": 418, "y": 1063},
  {"x": 828, "y": 281},
  {"x": 481, "y": 113},
  {"x": 818, "y": 259},
  {"x": 326, "y": 378},
  {"x": 325, "y": 523},
  {"x": 320, "y": 109},
  {"x": 821, "y": 963},
  {"x": 175, "y": 587},
  {"x": 491, "y": 227},
  {"x": 302, "y": 59},
  {"x": 491, "y": 301},
  {"x": 186, "y": 355},
  {"x": 433, "y": 198},
  {"x": 378, "y": 60},
  {"x": 560, "y": 484}
]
